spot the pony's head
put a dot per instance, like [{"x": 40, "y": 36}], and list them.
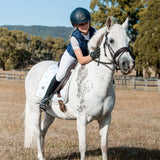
[{"x": 114, "y": 42}]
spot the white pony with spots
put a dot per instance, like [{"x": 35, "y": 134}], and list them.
[{"x": 91, "y": 94}]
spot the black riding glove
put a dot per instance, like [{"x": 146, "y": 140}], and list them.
[{"x": 95, "y": 53}]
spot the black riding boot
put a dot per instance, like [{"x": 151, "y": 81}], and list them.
[{"x": 52, "y": 86}]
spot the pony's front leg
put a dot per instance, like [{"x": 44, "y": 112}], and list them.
[
  {"x": 104, "y": 126},
  {"x": 81, "y": 128}
]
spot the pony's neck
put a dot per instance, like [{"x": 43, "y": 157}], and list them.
[
  {"x": 98, "y": 68},
  {"x": 101, "y": 70},
  {"x": 105, "y": 59}
]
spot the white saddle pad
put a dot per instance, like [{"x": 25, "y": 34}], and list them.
[{"x": 45, "y": 80}]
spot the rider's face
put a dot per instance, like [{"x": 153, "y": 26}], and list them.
[{"x": 83, "y": 27}]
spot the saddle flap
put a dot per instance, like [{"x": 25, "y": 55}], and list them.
[{"x": 46, "y": 77}]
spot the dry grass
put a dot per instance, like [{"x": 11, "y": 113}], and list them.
[{"x": 134, "y": 133}]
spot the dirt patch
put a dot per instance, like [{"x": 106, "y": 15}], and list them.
[{"x": 133, "y": 135}]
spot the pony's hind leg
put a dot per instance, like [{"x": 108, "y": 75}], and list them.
[
  {"x": 46, "y": 122},
  {"x": 104, "y": 126}
]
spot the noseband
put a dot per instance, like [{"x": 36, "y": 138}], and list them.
[{"x": 113, "y": 54}]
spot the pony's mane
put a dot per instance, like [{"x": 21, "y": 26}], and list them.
[{"x": 97, "y": 38}]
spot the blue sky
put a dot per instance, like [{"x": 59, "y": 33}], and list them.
[{"x": 39, "y": 12}]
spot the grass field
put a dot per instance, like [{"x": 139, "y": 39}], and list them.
[{"x": 134, "y": 132}]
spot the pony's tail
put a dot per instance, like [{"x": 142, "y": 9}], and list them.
[{"x": 32, "y": 126}]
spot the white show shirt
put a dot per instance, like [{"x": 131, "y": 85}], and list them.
[{"x": 74, "y": 42}]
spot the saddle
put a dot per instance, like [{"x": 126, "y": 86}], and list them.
[{"x": 62, "y": 84}]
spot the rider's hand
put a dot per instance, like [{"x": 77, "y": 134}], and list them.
[{"x": 95, "y": 53}]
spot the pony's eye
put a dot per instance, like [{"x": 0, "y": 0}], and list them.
[{"x": 111, "y": 40}]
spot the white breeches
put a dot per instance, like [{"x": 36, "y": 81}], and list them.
[{"x": 66, "y": 61}]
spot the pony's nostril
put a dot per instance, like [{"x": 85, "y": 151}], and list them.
[{"x": 125, "y": 65}]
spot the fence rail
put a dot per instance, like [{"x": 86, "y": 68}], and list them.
[
  {"x": 12, "y": 77},
  {"x": 120, "y": 81},
  {"x": 137, "y": 83}
]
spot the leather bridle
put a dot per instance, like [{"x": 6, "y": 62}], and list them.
[{"x": 113, "y": 54}]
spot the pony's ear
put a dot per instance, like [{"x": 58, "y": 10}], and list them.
[
  {"x": 109, "y": 22},
  {"x": 125, "y": 24}
]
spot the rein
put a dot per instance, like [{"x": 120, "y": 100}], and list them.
[{"x": 113, "y": 54}]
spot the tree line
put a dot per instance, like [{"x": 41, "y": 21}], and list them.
[
  {"x": 43, "y": 31},
  {"x": 18, "y": 49},
  {"x": 144, "y": 28}
]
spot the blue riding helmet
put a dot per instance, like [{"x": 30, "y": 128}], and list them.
[{"x": 80, "y": 15}]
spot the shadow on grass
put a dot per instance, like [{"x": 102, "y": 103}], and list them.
[{"x": 119, "y": 153}]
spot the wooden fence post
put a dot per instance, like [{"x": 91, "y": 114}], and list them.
[
  {"x": 146, "y": 84},
  {"x": 133, "y": 84},
  {"x": 158, "y": 84}
]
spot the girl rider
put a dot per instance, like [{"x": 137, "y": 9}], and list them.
[{"x": 76, "y": 50}]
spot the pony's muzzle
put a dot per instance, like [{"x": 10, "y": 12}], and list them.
[{"x": 126, "y": 65}]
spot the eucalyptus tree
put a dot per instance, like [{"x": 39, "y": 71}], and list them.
[{"x": 147, "y": 44}]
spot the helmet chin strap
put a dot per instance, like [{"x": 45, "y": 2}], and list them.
[{"x": 85, "y": 33}]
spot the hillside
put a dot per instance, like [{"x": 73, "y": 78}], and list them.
[{"x": 43, "y": 31}]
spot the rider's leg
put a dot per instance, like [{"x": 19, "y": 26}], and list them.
[
  {"x": 66, "y": 61},
  {"x": 52, "y": 86}
]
